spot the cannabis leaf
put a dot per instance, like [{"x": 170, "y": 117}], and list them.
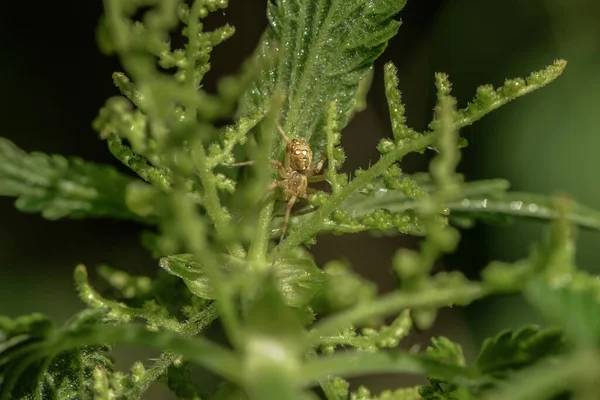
[
  {"x": 575, "y": 307},
  {"x": 299, "y": 280},
  {"x": 29, "y": 363},
  {"x": 60, "y": 188},
  {"x": 37, "y": 358},
  {"x": 509, "y": 351},
  {"x": 327, "y": 48},
  {"x": 446, "y": 350},
  {"x": 510, "y": 205},
  {"x": 499, "y": 358},
  {"x": 443, "y": 349},
  {"x": 389, "y": 203}
]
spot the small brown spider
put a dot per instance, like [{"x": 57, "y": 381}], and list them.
[{"x": 296, "y": 173}]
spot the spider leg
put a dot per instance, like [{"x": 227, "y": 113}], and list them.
[
  {"x": 285, "y": 136},
  {"x": 320, "y": 164},
  {"x": 272, "y": 186},
  {"x": 303, "y": 211},
  {"x": 286, "y": 219},
  {"x": 240, "y": 164},
  {"x": 280, "y": 168},
  {"x": 278, "y": 164},
  {"x": 269, "y": 191}
]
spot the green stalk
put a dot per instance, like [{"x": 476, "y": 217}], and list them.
[
  {"x": 212, "y": 204},
  {"x": 258, "y": 248},
  {"x": 191, "y": 328},
  {"x": 198, "y": 350},
  {"x": 315, "y": 223},
  {"x": 355, "y": 362},
  {"x": 215, "y": 211},
  {"x": 393, "y": 303}
]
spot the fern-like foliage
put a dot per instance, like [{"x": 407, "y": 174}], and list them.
[
  {"x": 31, "y": 361},
  {"x": 60, "y": 188},
  {"x": 289, "y": 324}
]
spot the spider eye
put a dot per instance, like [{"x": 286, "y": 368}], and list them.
[
  {"x": 304, "y": 152},
  {"x": 297, "y": 152}
]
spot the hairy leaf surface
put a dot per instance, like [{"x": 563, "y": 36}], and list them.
[
  {"x": 60, "y": 188},
  {"x": 298, "y": 280},
  {"x": 575, "y": 307},
  {"x": 31, "y": 365},
  {"x": 486, "y": 201},
  {"x": 514, "y": 350},
  {"x": 325, "y": 48}
]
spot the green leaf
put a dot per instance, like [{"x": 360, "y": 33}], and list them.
[
  {"x": 60, "y": 188},
  {"x": 438, "y": 390},
  {"x": 359, "y": 363},
  {"x": 513, "y": 350},
  {"x": 574, "y": 307},
  {"x": 298, "y": 279},
  {"x": 552, "y": 379},
  {"x": 362, "y": 393},
  {"x": 500, "y": 358},
  {"x": 523, "y": 205},
  {"x": 328, "y": 47},
  {"x": 31, "y": 366},
  {"x": 180, "y": 382},
  {"x": 70, "y": 374},
  {"x": 445, "y": 350},
  {"x": 390, "y": 203},
  {"x": 448, "y": 352},
  {"x": 485, "y": 200},
  {"x": 60, "y": 363}
]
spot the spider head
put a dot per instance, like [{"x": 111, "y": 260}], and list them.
[{"x": 299, "y": 154}]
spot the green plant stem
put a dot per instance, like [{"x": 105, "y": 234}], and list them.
[
  {"x": 465, "y": 120},
  {"x": 198, "y": 350},
  {"x": 258, "y": 247},
  {"x": 308, "y": 229},
  {"x": 211, "y": 197},
  {"x": 193, "y": 26},
  {"x": 314, "y": 224},
  {"x": 355, "y": 362},
  {"x": 211, "y": 200},
  {"x": 156, "y": 176},
  {"x": 191, "y": 328},
  {"x": 393, "y": 303},
  {"x": 260, "y": 242}
]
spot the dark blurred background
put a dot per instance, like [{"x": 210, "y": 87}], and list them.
[{"x": 53, "y": 81}]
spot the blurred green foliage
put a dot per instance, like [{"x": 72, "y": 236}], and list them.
[{"x": 211, "y": 229}]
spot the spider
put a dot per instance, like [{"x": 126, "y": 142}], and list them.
[{"x": 296, "y": 173}]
